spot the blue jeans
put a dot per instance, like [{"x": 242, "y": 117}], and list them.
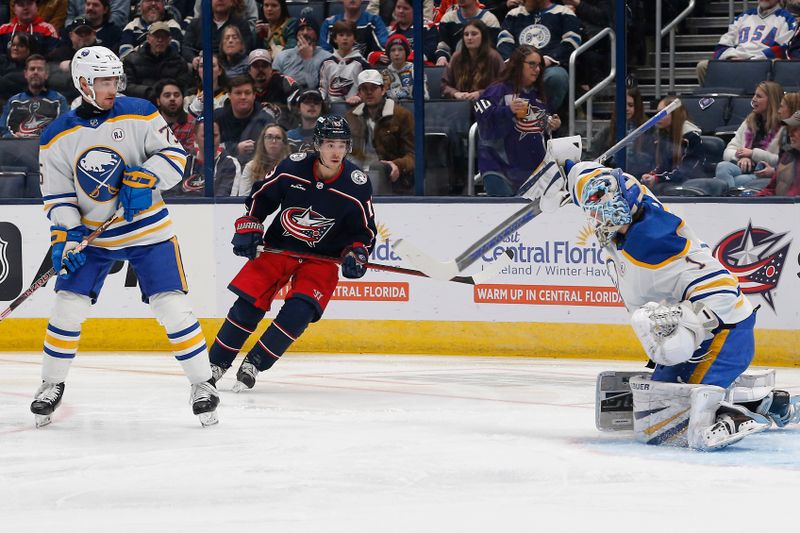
[
  {"x": 556, "y": 85},
  {"x": 732, "y": 175},
  {"x": 497, "y": 185}
]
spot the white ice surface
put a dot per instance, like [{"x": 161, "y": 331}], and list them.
[{"x": 368, "y": 444}]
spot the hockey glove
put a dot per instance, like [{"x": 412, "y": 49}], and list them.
[
  {"x": 136, "y": 193},
  {"x": 64, "y": 242},
  {"x": 354, "y": 261},
  {"x": 248, "y": 237}
]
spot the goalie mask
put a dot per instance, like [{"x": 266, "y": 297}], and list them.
[
  {"x": 608, "y": 196},
  {"x": 95, "y": 62}
]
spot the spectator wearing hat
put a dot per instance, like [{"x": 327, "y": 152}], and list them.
[
  {"x": 135, "y": 32},
  {"x": 338, "y": 74},
  {"x": 370, "y": 32},
  {"x": 400, "y": 72},
  {"x": 26, "y": 19},
  {"x": 310, "y": 106},
  {"x": 303, "y": 61},
  {"x": 80, "y": 34},
  {"x": 224, "y": 14},
  {"x": 28, "y": 113},
  {"x": 785, "y": 178},
  {"x": 98, "y": 14},
  {"x": 383, "y": 137},
  {"x": 277, "y": 30},
  {"x": 154, "y": 61},
  {"x": 169, "y": 101},
  {"x": 119, "y": 11},
  {"x": 273, "y": 89},
  {"x": 241, "y": 119},
  {"x": 53, "y": 11}
]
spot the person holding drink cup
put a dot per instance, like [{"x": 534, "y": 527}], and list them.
[{"x": 515, "y": 122}]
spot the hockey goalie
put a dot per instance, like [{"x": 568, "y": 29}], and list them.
[{"x": 687, "y": 310}]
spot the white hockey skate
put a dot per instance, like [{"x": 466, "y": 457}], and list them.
[
  {"x": 734, "y": 422},
  {"x": 47, "y": 398},
  {"x": 245, "y": 376},
  {"x": 205, "y": 398}
]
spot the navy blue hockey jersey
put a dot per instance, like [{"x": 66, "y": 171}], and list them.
[{"x": 316, "y": 216}]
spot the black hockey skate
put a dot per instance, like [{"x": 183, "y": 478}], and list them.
[
  {"x": 217, "y": 372},
  {"x": 246, "y": 375},
  {"x": 205, "y": 399},
  {"x": 47, "y": 398}
]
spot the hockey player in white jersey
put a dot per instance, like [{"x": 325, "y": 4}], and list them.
[
  {"x": 114, "y": 152},
  {"x": 687, "y": 310}
]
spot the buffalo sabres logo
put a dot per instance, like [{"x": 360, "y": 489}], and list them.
[
  {"x": 305, "y": 224},
  {"x": 99, "y": 172},
  {"x": 298, "y": 156},
  {"x": 358, "y": 177},
  {"x": 756, "y": 256}
]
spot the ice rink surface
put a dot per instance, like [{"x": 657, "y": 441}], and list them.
[{"x": 368, "y": 444}]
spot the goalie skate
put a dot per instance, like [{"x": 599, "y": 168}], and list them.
[
  {"x": 47, "y": 398},
  {"x": 245, "y": 376},
  {"x": 734, "y": 422},
  {"x": 204, "y": 398}
]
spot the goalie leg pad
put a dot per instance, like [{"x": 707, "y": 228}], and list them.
[
  {"x": 172, "y": 311},
  {"x": 661, "y": 411},
  {"x": 63, "y": 334},
  {"x": 614, "y": 400}
]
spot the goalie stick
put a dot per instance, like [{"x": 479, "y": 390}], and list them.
[
  {"x": 475, "y": 279},
  {"x": 535, "y": 185},
  {"x": 42, "y": 280}
]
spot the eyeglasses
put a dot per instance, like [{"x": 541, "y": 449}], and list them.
[
  {"x": 273, "y": 138},
  {"x": 533, "y": 64}
]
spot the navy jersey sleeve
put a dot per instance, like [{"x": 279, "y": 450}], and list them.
[{"x": 266, "y": 195}]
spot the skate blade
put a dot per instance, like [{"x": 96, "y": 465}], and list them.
[
  {"x": 239, "y": 387},
  {"x": 43, "y": 420},
  {"x": 208, "y": 419}
]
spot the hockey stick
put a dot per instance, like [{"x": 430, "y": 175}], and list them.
[
  {"x": 533, "y": 185},
  {"x": 476, "y": 279},
  {"x": 44, "y": 278}
]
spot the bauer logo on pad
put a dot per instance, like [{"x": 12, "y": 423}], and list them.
[{"x": 10, "y": 261}]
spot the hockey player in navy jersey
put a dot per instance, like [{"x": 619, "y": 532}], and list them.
[
  {"x": 324, "y": 205},
  {"x": 688, "y": 311},
  {"x": 114, "y": 151}
]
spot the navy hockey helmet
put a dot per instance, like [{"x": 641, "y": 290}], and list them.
[{"x": 332, "y": 127}]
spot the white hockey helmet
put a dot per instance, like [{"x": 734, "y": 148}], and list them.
[{"x": 96, "y": 62}]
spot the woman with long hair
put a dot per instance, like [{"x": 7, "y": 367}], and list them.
[
  {"x": 679, "y": 152},
  {"x": 194, "y": 103},
  {"x": 276, "y": 30},
  {"x": 514, "y": 122},
  {"x": 474, "y": 66},
  {"x": 636, "y": 161},
  {"x": 756, "y": 141},
  {"x": 272, "y": 147},
  {"x": 232, "y": 51}
]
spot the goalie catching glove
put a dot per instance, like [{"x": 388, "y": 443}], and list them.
[
  {"x": 64, "y": 242},
  {"x": 670, "y": 334},
  {"x": 354, "y": 261},
  {"x": 136, "y": 195}
]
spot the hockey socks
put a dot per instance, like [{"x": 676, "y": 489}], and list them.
[
  {"x": 242, "y": 320},
  {"x": 172, "y": 310},
  {"x": 291, "y": 322}
]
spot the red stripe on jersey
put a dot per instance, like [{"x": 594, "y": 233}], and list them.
[
  {"x": 360, "y": 206},
  {"x": 271, "y": 181}
]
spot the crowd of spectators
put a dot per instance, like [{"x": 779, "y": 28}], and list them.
[{"x": 275, "y": 73}]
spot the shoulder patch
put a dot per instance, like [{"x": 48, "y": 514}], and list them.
[
  {"x": 298, "y": 156},
  {"x": 358, "y": 177}
]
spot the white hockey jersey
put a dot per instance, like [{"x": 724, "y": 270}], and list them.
[
  {"x": 82, "y": 161},
  {"x": 660, "y": 259},
  {"x": 757, "y": 34}
]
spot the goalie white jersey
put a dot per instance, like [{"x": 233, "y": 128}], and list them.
[
  {"x": 660, "y": 259},
  {"x": 82, "y": 161}
]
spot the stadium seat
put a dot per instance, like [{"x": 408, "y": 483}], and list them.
[
  {"x": 734, "y": 77},
  {"x": 787, "y": 73},
  {"x": 434, "y": 76},
  {"x": 740, "y": 107},
  {"x": 32, "y": 187},
  {"x": 713, "y": 147},
  {"x": 438, "y": 164},
  {"x": 12, "y": 182},
  {"x": 707, "y": 112}
]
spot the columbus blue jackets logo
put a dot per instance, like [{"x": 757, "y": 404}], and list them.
[
  {"x": 756, "y": 256},
  {"x": 537, "y": 35},
  {"x": 305, "y": 224},
  {"x": 99, "y": 172},
  {"x": 535, "y": 121}
]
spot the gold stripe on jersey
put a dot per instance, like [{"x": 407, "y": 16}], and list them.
[
  {"x": 713, "y": 351},
  {"x": 147, "y": 230},
  {"x": 93, "y": 224}
]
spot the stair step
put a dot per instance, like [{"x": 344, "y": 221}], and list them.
[
  {"x": 721, "y": 8},
  {"x": 682, "y": 57},
  {"x": 708, "y": 22},
  {"x": 696, "y": 41},
  {"x": 649, "y": 73},
  {"x": 680, "y": 88}
]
